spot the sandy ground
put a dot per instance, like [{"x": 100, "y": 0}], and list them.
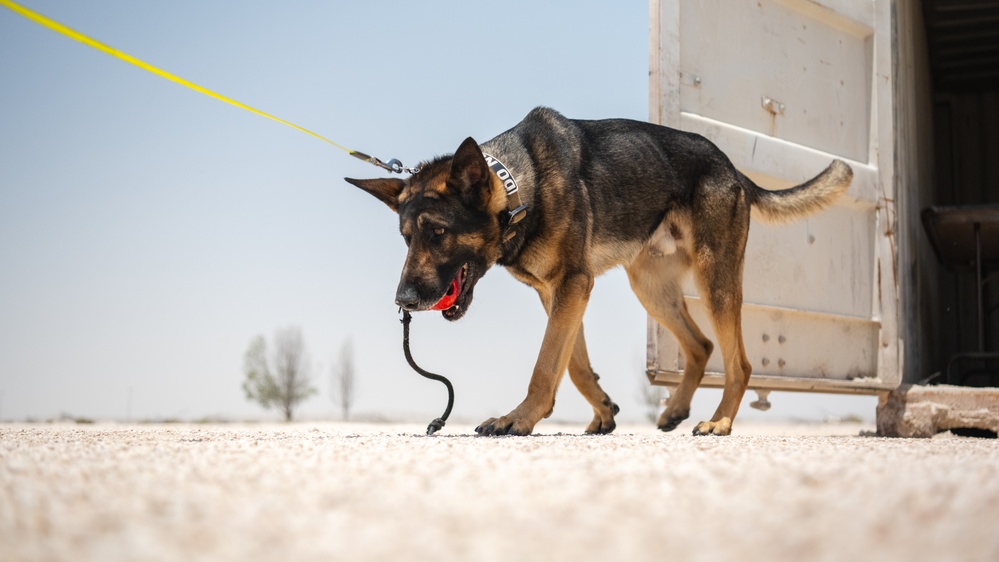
[{"x": 323, "y": 491}]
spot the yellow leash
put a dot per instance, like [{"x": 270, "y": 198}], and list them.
[{"x": 392, "y": 165}]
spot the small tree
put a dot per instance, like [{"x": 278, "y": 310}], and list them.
[
  {"x": 343, "y": 380},
  {"x": 287, "y": 383}
]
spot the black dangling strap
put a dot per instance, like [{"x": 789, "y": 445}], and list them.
[{"x": 438, "y": 423}]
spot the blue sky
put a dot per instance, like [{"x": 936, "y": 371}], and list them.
[{"x": 148, "y": 233}]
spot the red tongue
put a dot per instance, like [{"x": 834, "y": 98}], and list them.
[{"x": 447, "y": 301}]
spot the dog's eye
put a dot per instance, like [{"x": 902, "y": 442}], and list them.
[{"x": 439, "y": 231}]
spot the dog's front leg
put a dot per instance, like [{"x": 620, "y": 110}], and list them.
[{"x": 568, "y": 302}]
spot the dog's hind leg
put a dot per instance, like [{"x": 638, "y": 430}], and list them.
[
  {"x": 721, "y": 285},
  {"x": 655, "y": 280},
  {"x": 582, "y": 375}
]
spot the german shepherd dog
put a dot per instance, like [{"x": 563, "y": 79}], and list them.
[{"x": 559, "y": 201}]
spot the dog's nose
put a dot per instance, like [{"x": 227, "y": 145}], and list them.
[{"x": 407, "y": 297}]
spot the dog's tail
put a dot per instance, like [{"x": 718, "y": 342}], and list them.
[{"x": 794, "y": 203}]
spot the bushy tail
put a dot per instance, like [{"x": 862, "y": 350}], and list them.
[{"x": 794, "y": 203}]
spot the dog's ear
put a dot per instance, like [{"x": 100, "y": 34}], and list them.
[
  {"x": 470, "y": 174},
  {"x": 387, "y": 190}
]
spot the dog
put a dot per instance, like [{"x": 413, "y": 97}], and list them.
[{"x": 557, "y": 202}]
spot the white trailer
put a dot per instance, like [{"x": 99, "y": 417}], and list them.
[{"x": 831, "y": 304}]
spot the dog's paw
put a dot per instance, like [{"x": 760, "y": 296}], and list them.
[
  {"x": 668, "y": 421},
  {"x": 720, "y": 427},
  {"x": 601, "y": 427},
  {"x": 506, "y": 425},
  {"x": 603, "y": 422}
]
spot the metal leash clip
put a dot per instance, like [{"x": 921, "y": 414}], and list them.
[{"x": 393, "y": 165}]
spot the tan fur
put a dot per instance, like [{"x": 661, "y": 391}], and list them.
[{"x": 497, "y": 196}]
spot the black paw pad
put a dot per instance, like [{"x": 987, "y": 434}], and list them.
[{"x": 672, "y": 423}]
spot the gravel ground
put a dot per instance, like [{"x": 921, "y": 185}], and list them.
[{"x": 324, "y": 491}]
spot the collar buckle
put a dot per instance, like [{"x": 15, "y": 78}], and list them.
[{"x": 513, "y": 216}]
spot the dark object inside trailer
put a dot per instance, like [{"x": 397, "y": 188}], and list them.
[{"x": 961, "y": 324}]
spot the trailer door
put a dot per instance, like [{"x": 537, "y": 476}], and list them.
[{"x": 783, "y": 87}]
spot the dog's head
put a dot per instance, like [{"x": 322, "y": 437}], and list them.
[{"x": 449, "y": 214}]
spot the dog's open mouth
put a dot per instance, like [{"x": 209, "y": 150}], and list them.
[{"x": 448, "y": 304}]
